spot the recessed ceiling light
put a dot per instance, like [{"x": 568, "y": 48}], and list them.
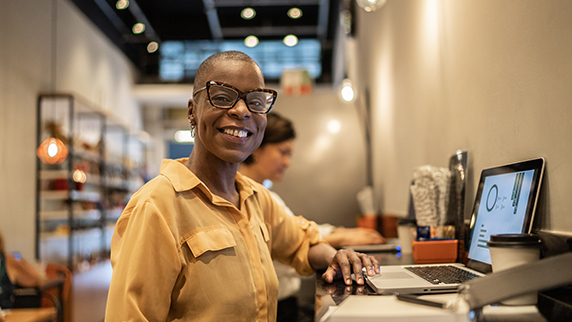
[
  {"x": 251, "y": 41},
  {"x": 122, "y": 4},
  {"x": 247, "y": 13},
  {"x": 152, "y": 47},
  {"x": 294, "y": 13},
  {"x": 138, "y": 28},
  {"x": 290, "y": 40}
]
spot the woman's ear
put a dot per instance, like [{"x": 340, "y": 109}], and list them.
[{"x": 190, "y": 112}]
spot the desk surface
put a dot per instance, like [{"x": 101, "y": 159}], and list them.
[
  {"x": 334, "y": 293},
  {"x": 30, "y": 315},
  {"x": 338, "y": 290}
]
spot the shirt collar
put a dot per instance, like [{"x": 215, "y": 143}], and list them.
[
  {"x": 180, "y": 176},
  {"x": 184, "y": 179}
]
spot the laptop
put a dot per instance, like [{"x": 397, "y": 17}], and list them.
[{"x": 505, "y": 203}]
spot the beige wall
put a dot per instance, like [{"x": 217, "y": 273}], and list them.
[
  {"x": 87, "y": 64},
  {"x": 327, "y": 169},
  {"x": 492, "y": 77}
]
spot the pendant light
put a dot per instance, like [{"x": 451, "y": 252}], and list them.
[{"x": 53, "y": 150}]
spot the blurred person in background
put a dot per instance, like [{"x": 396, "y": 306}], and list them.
[
  {"x": 14, "y": 271},
  {"x": 269, "y": 163}
]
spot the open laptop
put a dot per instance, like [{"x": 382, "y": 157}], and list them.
[{"x": 505, "y": 203}]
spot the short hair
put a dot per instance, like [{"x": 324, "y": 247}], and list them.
[
  {"x": 201, "y": 77},
  {"x": 278, "y": 130}
]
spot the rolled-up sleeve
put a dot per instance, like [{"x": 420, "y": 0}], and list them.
[{"x": 291, "y": 237}]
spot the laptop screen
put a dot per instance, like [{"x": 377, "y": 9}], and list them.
[{"x": 505, "y": 204}]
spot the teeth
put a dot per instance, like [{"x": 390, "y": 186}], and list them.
[{"x": 237, "y": 133}]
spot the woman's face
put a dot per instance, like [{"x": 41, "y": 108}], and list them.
[
  {"x": 272, "y": 160},
  {"x": 230, "y": 135}
]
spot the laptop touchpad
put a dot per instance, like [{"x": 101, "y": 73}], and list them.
[{"x": 394, "y": 275}]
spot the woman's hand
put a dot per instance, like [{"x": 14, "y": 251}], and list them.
[{"x": 347, "y": 260}]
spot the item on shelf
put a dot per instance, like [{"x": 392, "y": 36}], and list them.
[{"x": 59, "y": 184}]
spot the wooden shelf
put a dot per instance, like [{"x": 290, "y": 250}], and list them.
[{"x": 101, "y": 148}]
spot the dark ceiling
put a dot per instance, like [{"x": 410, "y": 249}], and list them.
[{"x": 210, "y": 20}]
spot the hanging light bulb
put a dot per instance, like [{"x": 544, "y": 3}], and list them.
[
  {"x": 347, "y": 90},
  {"x": 370, "y": 5},
  {"x": 52, "y": 151}
]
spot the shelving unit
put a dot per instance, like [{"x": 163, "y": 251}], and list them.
[{"x": 79, "y": 200}]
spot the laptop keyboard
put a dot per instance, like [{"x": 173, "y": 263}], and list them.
[{"x": 442, "y": 274}]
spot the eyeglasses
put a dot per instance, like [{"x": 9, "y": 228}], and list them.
[{"x": 221, "y": 95}]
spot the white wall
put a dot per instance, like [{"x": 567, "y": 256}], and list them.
[
  {"x": 492, "y": 77},
  {"x": 87, "y": 65}
]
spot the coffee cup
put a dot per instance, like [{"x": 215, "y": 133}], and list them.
[{"x": 511, "y": 250}]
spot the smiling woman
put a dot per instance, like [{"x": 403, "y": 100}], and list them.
[{"x": 197, "y": 242}]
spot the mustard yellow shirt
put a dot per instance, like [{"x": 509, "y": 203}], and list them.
[{"x": 180, "y": 253}]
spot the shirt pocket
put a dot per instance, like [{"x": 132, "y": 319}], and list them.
[{"x": 211, "y": 240}]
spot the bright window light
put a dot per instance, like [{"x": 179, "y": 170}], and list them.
[
  {"x": 183, "y": 136},
  {"x": 179, "y": 60}
]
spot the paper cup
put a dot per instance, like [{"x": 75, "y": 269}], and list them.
[{"x": 511, "y": 250}]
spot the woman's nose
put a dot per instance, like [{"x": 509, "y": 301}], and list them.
[
  {"x": 287, "y": 161},
  {"x": 240, "y": 110}
]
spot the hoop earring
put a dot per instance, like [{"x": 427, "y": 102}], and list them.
[{"x": 192, "y": 129}]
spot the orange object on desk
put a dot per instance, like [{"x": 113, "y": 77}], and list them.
[
  {"x": 434, "y": 251},
  {"x": 367, "y": 221},
  {"x": 43, "y": 314}
]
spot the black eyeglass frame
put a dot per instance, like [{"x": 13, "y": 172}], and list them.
[{"x": 240, "y": 93}]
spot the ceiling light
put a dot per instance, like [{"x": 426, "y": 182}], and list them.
[
  {"x": 347, "y": 91},
  {"x": 183, "y": 136},
  {"x": 138, "y": 28},
  {"x": 251, "y": 41},
  {"x": 247, "y": 13},
  {"x": 294, "y": 13},
  {"x": 122, "y": 4},
  {"x": 152, "y": 47},
  {"x": 370, "y": 5},
  {"x": 290, "y": 40}
]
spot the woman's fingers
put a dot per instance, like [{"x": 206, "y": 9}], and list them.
[{"x": 347, "y": 261}]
